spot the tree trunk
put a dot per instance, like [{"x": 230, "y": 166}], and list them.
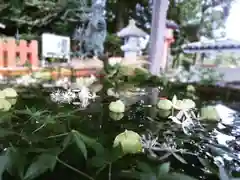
[{"x": 120, "y": 24}]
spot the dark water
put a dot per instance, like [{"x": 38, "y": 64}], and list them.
[{"x": 201, "y": 145}]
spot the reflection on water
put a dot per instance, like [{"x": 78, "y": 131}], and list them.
[{"x": 194, "y": 154}]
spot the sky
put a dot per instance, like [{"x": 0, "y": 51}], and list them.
[{"x": 233, "y": 22}]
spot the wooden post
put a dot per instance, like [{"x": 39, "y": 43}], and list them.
[{"x": 158, "y": 29}]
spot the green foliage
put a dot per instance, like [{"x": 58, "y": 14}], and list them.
[
  {"x": 42, "y": 139},
  {"x": 28, "y": 15},
  {"x": 113, "y": 44},
  {"x": 40, "y": 165},
  {"x": 162, "y": 172},
  {"x": 124, "y": 76}
]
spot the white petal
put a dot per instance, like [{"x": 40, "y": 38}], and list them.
[{"x": 174, "y": 119}]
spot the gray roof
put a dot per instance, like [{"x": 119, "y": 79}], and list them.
[
  {"x": 131, "y": 30},
  {"x": 212, "y": 45}
]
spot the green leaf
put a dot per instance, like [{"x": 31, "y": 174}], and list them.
[
  {"x": 80, "y": 144},
  {"x": 17, "y": 162},
  {"x": 67, "y": 140},
  {"x": 43, "y": 163},
  {"x": 4, "y": 133},
  {"x": 147, "y": 176},
  {"x": 115, "y": 154},
  {"x": 4, "y": 159},
  {"x": 128, "y": 174},
  {"x": 99, "y": 149},
  {"x": 176, "y": 176},
  {"x": 144, "y": 167},
  {"x": 178, "y": 157},
  {"x": 163, "y": 169},
  {"x": 98, "y": 162}
]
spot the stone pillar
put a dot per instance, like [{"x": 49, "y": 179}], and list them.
[{"x": 158, "y": 24}]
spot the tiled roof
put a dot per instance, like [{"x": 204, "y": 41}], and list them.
[
  {"x": 131, "y": 30},
  {"x": 212, "y": 45}
]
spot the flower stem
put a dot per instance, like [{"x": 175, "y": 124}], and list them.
[
  {"x": 75, "y": 169},
  {"x": 58, "y": 135},
  {"x": 110, "y": 172}
]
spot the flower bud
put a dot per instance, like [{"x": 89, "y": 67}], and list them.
[
  {"x": 130, "y": 142},
  {"x": 209, "y": 113},
  {"x": 164, "y": 104},
  {"x": 117, "y": 106},
  {"x": 10, "y": 93},
  {"x": 116, "y": 116}
]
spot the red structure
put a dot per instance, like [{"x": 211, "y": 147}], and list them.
[{"x": 14, "y": 54}]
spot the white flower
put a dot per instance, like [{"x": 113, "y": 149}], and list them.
[
  {"x": 151, "y": 145},
  {"x": 68, "y": 96},
  {"x": 85, "y": 95},
  {"x": 26, "y": 80},
  {"x": 56, "y": 96},
  {"x": 184, "y": 116},
  {"x": 71, "y": 96},
  {"x": 64, "y": 82},
  {"x": 149, "y": 142},
  {"x": 85, "y": 81}
]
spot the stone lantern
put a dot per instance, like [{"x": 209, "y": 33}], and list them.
[{"x": 131, "y": 35}]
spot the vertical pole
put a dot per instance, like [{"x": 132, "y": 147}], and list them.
[{"x": 158, "y": 30}]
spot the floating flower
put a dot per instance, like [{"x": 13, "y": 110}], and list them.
[
  {"x": 130, "y": 142},
  {"x": 8, "y": 97},
  {"x": 117, "y": 106},
  {"x": 191, "y": 88},
  {"x": 209, "y": 113},
  {"x": 164, "y": 104},
  {"x": 116, "y": 116},
  {"x": 10, "y": 93},
  {"x": 185, "y": 115},
  {"x": 5, "y": 105}
]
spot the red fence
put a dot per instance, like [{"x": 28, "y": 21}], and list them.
[{"x": 16, "y": 53}]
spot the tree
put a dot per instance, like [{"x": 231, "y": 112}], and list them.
[
  {"x": 196, "y": 18},
  {"x": 38, "y": 16},
  {"x": 120, "y": 11}
]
